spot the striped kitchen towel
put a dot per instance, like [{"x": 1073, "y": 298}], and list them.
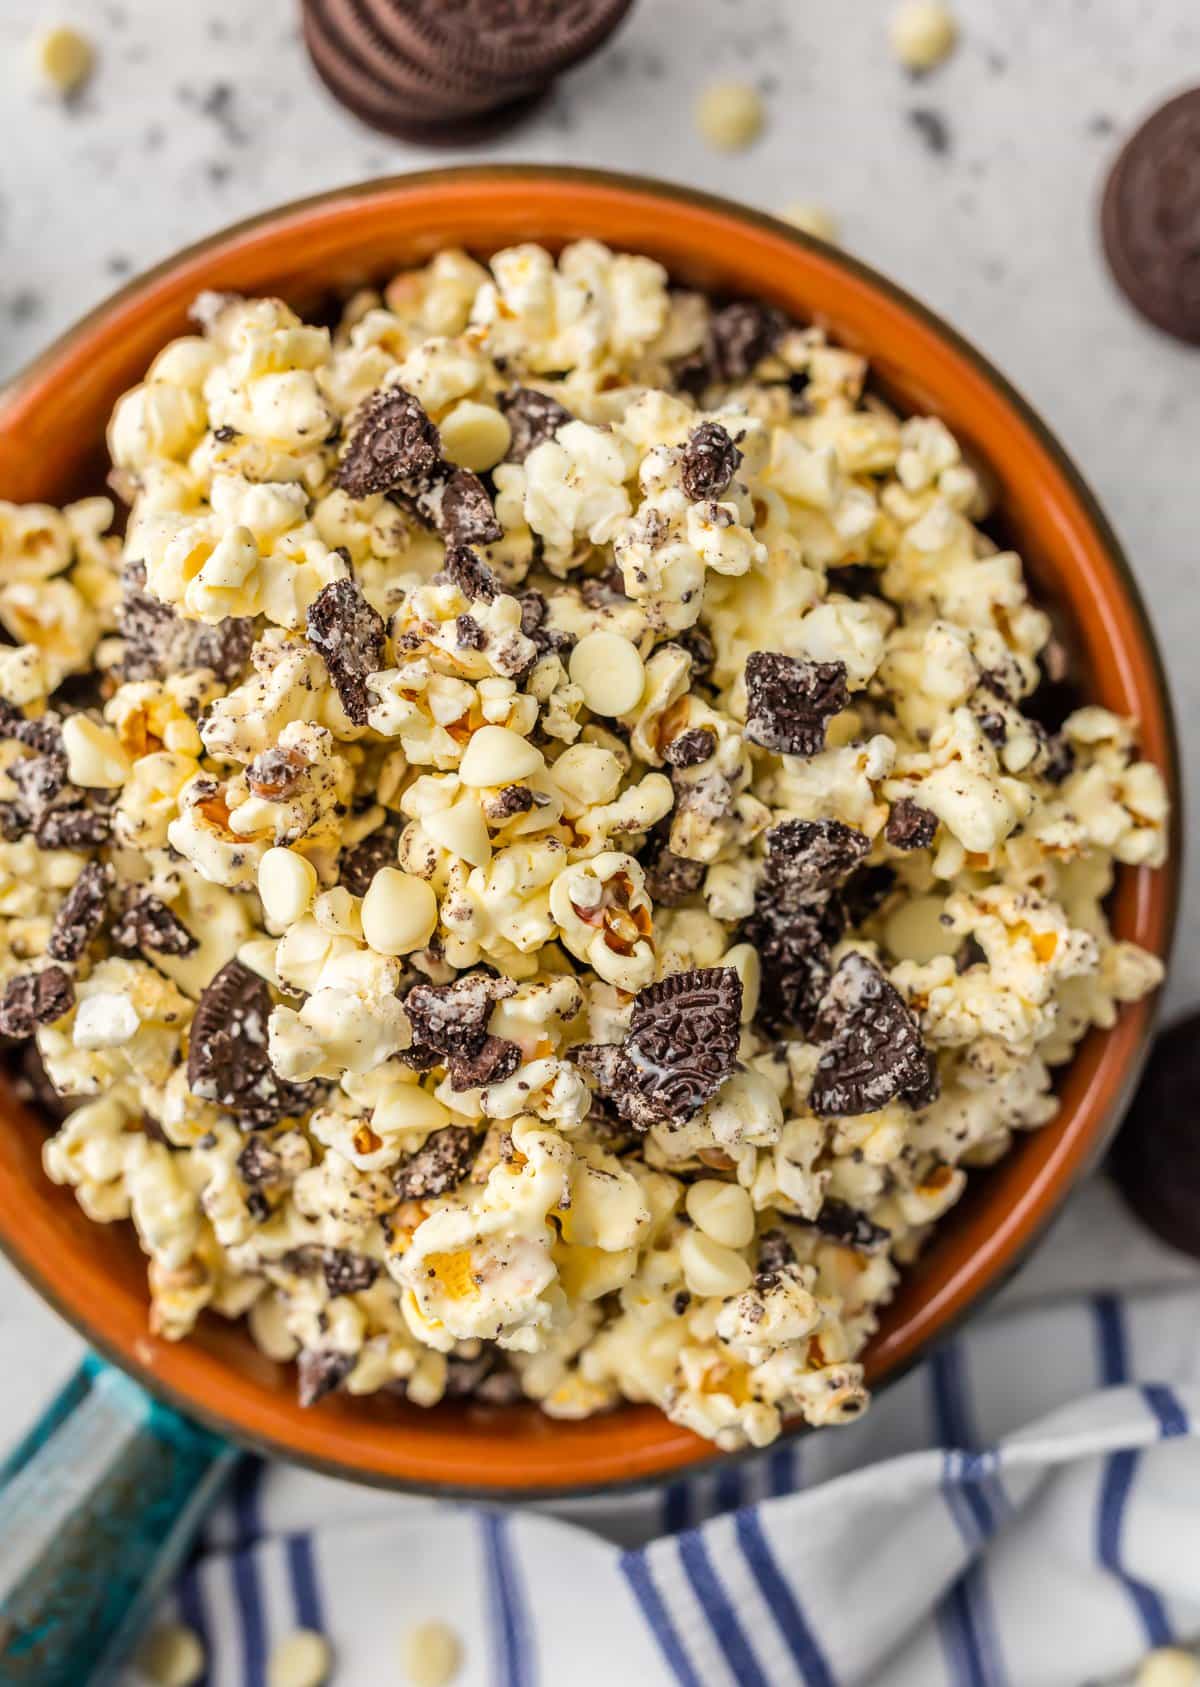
[{"x": 1021, "y": 1511}]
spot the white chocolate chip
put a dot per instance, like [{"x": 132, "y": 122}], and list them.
[
  {"x": 723, "y": 1211},
  {"x": 304, "y": 1659},
  {"x": 496, "y": 755},
  {"x": 64, "y": 58},
  {"x": 399, "y": 912},
  {"x": 609, "y": 672},
  {"x": 710, "y": 1268},
  {"x": 729, "y": 115},
  {"x": 743, "y": 958},
  {"x": 1168, "y": 1667},
  {"x": 95, "y": 757},
  {"x": 922, "y": 33},
  {"x": 811, "y": 219},
  {"x": 287, "y": 883},
  {"x": 475, "y": 436},
  {"x": 171, "y": 1656},
  {"x": 431, "y": 1655},
  {"x": 462, "y": 830}
]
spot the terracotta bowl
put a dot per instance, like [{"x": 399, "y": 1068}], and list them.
[{"x": 52, "y": 422}]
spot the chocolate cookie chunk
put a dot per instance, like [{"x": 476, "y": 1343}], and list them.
[
  {"x": 495, "y": 1059},
  {"x": 393, "y": 446},
  {"x": 449, "y": 1025},
  {"x": 844, "y": 1223},
  {"x": 691, "y": 748},
  {"x": 910, "y": 826},
  {"x": 682, "y": 1045},
  {"x": 275, "y": 774},
  {"x": 83, "y": 911},
  {"x": 358, "y": 865},
  {"x": 507, "y": 40},
  {"x": 146, "y": 923},
  {"x": 73, "y": 828},
  {"x": 439, "y": 1165},
  {"x": 709, "y": 462},
  {"x": 319, "y": 1371},
  {"x": 465, "y": 515},
  {"x": 790, "y": 701},
  {"x": 534, "y": 417},
  {"x": 670, "y": 878},
  {"x": 474, "y": 579},
  {"x": 873, "y": 1050},
  {"x": 347, "y": 1273},
  {"x": 1150, "y": 218},
  {"x": 740, "y": 335},
  {"x": 1156, "y": 1157},
  {"x": 350, "y": 635},
  {"x": 35, "y": 998},
  {"x": 794, "y": 953},
  {"x": 807, "y": 860},
  {"x": 159, "y": 642},
  {"x": 227, "y": 1053}
]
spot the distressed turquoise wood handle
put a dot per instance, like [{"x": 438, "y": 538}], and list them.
[{"x": 98, "y": 1506}]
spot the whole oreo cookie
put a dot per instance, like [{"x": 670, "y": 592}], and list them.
[
  {"x": 1156, "y": 1158},
  {"x": 361, "y": 30},
  {"x": 506, "y": 40},
  {"x": 1150, "y": 218}
]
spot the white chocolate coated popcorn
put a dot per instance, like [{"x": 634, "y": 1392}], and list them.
[{"x": 428, "y": 766}]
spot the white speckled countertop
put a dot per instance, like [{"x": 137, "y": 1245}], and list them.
[{"x": 203, "y": 113}]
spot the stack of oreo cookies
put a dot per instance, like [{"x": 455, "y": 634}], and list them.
[{"x": 449, "y": 71}]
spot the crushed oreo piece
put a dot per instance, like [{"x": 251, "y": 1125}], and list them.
[
  {"x": 691, "y": 748},
  {"x": 682, "y": 1045},
  {"x": 774, "y": 1253},
  {"x": 358, "y": 865},
  {"x": 865, "y": 891},
  {"x": 495, "y": 1060},
  {"x": 73, "y": 828},
  {"x": 350, "y": 635},
  {"x": 807, "y": 860},
  {"x": 740, "y": 335},
  {"x": 874, "y": 1051},
  {"x": 533, "y": 417},
  {"x": 508, "y": 801},
  {"x": 41, "y": 781},
  {"x": 994, "y": 727},
  {"x": 709, "y": 462},
  {"x": 789, "y": 701},
  {"x": 1060, "y": 758},
  {"x": 671, "y": 878},
  {"x": 320, "y": 1371},
  {"x": 700, "y": 648},
  {"x": 146, "y": 923},
  {"x": 258, "y": 1163},
  {"x": 81, "y": 913},
  {"x": 35, "y": 998},
  {"x": 844, "y": 1223},
  {"x": 158, "y": 642},
  {"x": 439, "y": 1165},
  {"x": 347, "y": 1273},
  {"x": 42, "y": 733},
  {"x": 274, "y": 774},
  {"x": 794, "y": 957},
  {"x": 228, "y": 1062},
  {"x": 468, "y": 634},
  {"x": 602, "y": 591},
  {"x": 855, "y": 580},
  {"x": 534, "y": 610},
  {"x": 474, "y": 579},
  {"x": 910, "y": 826},
  {"x": 465, "y": 514},
  {"x": 393, "y": 445},
  {"x": 14, "y": 822},
  {"x": 971, "y": 953}
]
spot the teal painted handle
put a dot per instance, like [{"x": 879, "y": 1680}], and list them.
[{"x": 98, "y": 1506}]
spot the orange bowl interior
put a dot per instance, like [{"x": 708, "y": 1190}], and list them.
[{"x": 52, "y": 422}]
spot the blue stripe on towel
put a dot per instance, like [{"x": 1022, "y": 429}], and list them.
[
  {"x": 717, "y": 1607},
  {"x": 193, "y": 1611},
  {"x": 784, "y": 1468},
  {"x": 247, "y": 1590},
  {"x": 802, "y": 1642},
  {"x": 729, "y": 1495},
  {"x": 677, "y": 1508},
  {"x": 513, "y": 1654},
  {"x": 1168, "y": 1409},
  {"x": 302, "y": 1573},
  {"x": 636, "y": 1569},
  {"x": 1120, "y": 1472}
]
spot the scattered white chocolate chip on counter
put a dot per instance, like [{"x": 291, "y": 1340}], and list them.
[
  {"x": 812, "y": 219},
  {"x": 64, "y": 58},
  {"x": 431, "y": 1654},
  {"x": 922, "y": 34},
  {"x": 399, "y": 912},
  {"x": 730, "y": 115},
  {"x": 171, "y": 1656},
  {"x": 304, "y": 1659},
  {"x": 609, "y": 672},
  {"x": 1169, "y": 1667}
]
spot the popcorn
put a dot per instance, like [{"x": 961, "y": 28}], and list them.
[{"x": 398, "y": 923}]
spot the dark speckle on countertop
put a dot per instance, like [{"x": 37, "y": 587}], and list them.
[{"x": 933, "y": 129}]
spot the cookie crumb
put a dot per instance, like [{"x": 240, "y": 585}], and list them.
[
  {"x": 730, "y": 115},
  {"x": 172, "y": 1656},
  {"x": 431, "y": 1654},
  {"x": 64, "y": 58},
  {"x": 304, "y": 1659},
  {"x": 922, "y": 33}
]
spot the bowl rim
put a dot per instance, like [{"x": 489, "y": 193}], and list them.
[{"x": 23, "y": 383}]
